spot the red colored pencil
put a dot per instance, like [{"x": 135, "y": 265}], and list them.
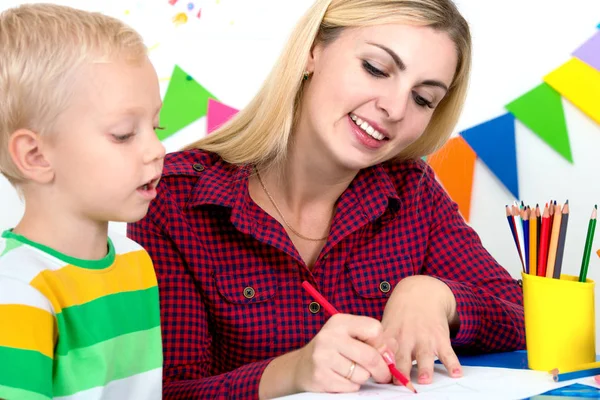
[
  {"x": 544, "y": 241},
  {"x": 332, "y": 311}
]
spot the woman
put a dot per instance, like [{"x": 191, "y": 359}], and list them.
[{"x": 319, "y": 178}]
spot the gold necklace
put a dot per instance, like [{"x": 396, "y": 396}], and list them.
[{"x": 281, "y": 214}]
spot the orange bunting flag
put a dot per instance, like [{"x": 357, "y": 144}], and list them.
[{"x": 454, "y": 165}]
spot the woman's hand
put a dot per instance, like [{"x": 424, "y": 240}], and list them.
[
  {"x": 419, "y": 314},
  {"x": 345, "y": 353}
]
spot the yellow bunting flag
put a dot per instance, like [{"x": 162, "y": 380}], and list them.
[{"x": 580, "y": 84}]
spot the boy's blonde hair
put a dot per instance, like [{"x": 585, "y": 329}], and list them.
[
  {"x": 41, "y": 48},
  {"x": 260, "y": 133}
]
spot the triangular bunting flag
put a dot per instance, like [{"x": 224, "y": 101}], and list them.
[
  {"x": 185, "y": 102},
  {"x": 589, "y": 52},
  {"x": 494, "y": 143},
  {"x": 541, "y": 110},
  {"x": 454, "y": 165},
  {"x": 218, "y": 114},
  {"x": 580, "y": 84}
]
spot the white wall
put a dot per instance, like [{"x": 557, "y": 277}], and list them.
[{"x": 516, "y": 42}]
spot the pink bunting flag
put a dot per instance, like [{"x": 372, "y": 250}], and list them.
[{"x": 218, "y": 114}]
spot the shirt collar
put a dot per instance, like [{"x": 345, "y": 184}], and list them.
[{"x": 223, "y": 184}]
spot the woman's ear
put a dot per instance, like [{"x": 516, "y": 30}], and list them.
[
  {"x": 26, "y": 151},
  {"x": 313, "y": 57}
]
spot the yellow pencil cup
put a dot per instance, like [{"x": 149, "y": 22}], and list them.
[{"x": 560, "y": 326}]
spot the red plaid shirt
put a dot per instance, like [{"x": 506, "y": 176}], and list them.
[{"x": 230, "y": 278}]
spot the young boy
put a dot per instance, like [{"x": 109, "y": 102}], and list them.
[{"x": 79, "y": 105}]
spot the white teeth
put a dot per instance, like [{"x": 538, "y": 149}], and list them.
[{"x": 364, "y": 125}]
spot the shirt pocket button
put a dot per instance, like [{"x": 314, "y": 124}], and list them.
[
  {"x": 385, "y": 286},
  {"x": 249, "y": 292}
]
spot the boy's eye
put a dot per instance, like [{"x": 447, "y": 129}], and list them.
[{"x": 123, "y": 138}]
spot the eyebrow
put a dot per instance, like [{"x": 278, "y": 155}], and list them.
[{"x": 402, "y": 67}]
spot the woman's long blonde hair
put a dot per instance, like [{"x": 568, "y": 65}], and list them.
[{"x": 259, "y": 134}]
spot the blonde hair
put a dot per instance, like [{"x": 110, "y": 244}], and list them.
[
  {"x": 259, "y": 134},
  {"x": 41, "y": 48}
]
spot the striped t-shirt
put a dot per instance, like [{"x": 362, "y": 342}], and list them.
[{"x": 78, "y": 329}]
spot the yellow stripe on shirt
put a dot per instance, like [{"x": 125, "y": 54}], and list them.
[
  {"x": 27, "y": 328},
  {"x": 71, "y": 286}
]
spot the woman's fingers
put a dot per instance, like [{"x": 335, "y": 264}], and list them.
[
  {"x": 425, "y": 358},
  {"x": 448, "y": 357}
]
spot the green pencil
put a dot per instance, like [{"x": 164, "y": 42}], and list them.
[{"x": 588, "y": 245}]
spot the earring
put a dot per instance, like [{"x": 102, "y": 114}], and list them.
[{"x": 306, "y": 75}]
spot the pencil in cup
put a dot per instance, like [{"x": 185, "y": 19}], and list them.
[
  {"x": 562, "y": 237},
  {"x": 533, "y": 242},
  {"x": 544, "y": 241},
  {"x": 332, "y": 311},
  {"x": 513, "y": 230},
  {"x": 588, "y": 245}
]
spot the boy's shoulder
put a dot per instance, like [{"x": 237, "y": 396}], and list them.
[{"x": 22, "y": 262}]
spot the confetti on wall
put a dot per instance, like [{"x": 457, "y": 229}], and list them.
[{"x": 185, "y": 11}]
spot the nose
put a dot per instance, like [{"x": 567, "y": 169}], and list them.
[
  {"x": 394, "y": 103},
  {"x": 155, "y": 150}
]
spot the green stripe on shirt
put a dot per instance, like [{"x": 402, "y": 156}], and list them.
[
  {"x": 106, "y": 318},
  {"x": 28, "y": 370},
  {"x": 12, "y": 393},
  {"x": 134, "y": 353}
]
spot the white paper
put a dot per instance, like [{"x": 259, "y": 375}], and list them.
[{"x": 476, "y": 383}]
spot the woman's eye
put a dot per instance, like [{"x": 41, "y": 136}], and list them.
[
  {"x": 422, "y": 102},
  {"x": 373, "y": 70}
]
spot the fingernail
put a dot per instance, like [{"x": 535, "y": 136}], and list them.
[
  {"x": 388, "y": 357},
  {"x": 424, "y": 376},
  {"x": 456, "y": 372}
]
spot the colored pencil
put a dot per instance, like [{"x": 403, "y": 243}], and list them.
[
  {"x": 562, "y": 237},
  {"x": 513, "y": 231},
  {"x": 553, "y": 241},
  {"x": 551, "y": 211},
  {"x": 525, "y": 219},
  {"x": 533, "y": 242},
  {"x": 538, "y": 216},
  {"x": 520, "y": 236},
  {"x": 544, "y": 240},
  {"x": 332, "y": 311},
  {"x": 559, "y": 376},
  {"x": 588, "y": 245}
]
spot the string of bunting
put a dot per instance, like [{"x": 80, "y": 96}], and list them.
[{"x": 540, "y": 110}]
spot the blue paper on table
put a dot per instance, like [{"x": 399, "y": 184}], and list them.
[
  {"x": 513, "y": 360},
  {"x": 575, "y": 391}
]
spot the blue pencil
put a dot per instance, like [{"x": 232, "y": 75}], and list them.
[{"x": 558, "y": 377}]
